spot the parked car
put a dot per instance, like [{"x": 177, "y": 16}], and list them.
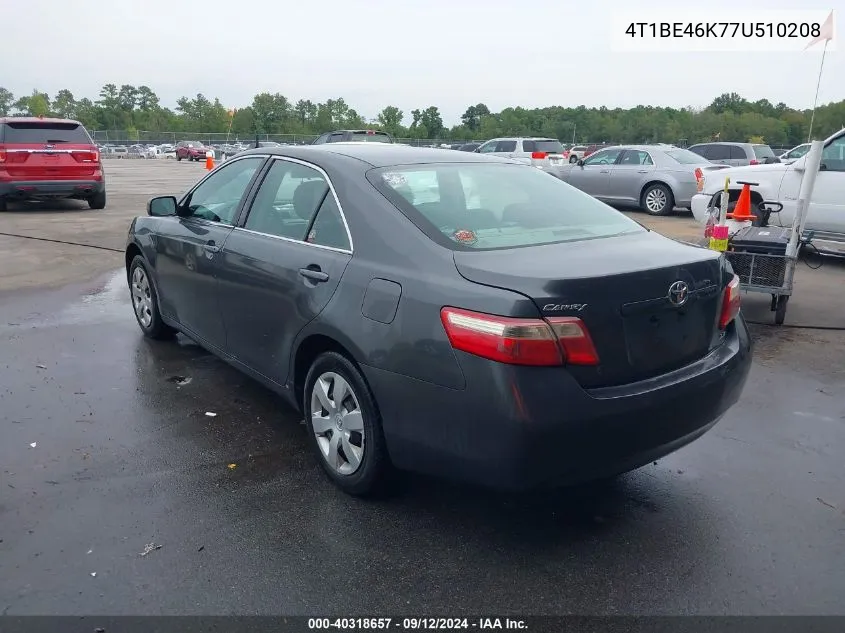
[
  {"x": 577, "y": 152},
  {"x": 364, "y": 136},
  {"x": 795, "y": 153},
  {"x": 546, "y": 154},
  {"x": 119, "y": 151},
  {"x": 735, "y": 154},
  {"x": 781, "y": 183},
  {"x": 442, "y": 335},
  {"x": 656, "y": 178},
  {"x": 469, "y": 147},
  {"x": 43, "y": 159},
  {"x": 191, "y": 150}
]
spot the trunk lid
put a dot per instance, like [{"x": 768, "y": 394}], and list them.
[
  {"x": 619, "y": 287},
  {"x": 48, "y": 150}
]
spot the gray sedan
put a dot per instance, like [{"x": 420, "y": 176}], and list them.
[
  {"x": 656, "y": 178},
  {"x": 444, "y": 312}
]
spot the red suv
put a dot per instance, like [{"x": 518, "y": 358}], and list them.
[
  {"x": 42, "y": 159},
  {"x": 190, "y": 150}
]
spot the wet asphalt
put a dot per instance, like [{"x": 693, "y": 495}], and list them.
[{"x": 747, "y": 520}]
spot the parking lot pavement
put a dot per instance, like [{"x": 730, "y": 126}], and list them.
[{"x": 106, "y": 448}]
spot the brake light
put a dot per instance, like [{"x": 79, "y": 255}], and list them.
[
  {"x": 87, "y": 156},
  {"x": 538, "y": 155},
  {"x": 754, "y": 161},
  {"x": 566, "y": 153},
  {"x": 699, "y": 179},
  {"x": 730, "y": 303},
  {"x": 537, "y": 342}
]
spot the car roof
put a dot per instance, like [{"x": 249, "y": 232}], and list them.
[
  {"x": 376, "y": 154},
  {"x": 35, "y": 119},
  {"x": 725, "y": 143}
]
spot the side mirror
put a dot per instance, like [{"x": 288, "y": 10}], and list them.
[
  {"x": 580, "y": 162},
  {"x": 162, "y": 206}
]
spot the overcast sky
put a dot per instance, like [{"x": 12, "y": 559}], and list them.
[{"x": 408, "y": 53}]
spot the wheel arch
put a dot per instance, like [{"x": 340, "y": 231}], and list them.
[{"x": 309, "y": 349}]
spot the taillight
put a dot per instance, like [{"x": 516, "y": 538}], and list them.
[
  {"x": 87, "y": 156},
  {"x": 538, "y": 155},
  {"x": 2, "y": 154},
  {"x": 566, "y": 153},
  {"x": 754, "y": 161},
  {"x": 730, "y": 303},
  {"x": 536, "y": 342},
  {"x": 699, "y": 179}
]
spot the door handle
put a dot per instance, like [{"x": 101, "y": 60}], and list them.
[
  {"x": 604, "y": 171},
  {"x": 211, "y": 247},
  {"x": 314, "y": 274},
  {"x": 642, "y": 171}
]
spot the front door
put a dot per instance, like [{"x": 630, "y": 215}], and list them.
[
  {"x": 188, "y": 249},
  {"x": 281, "y": 265},
  {"x": 593, "y": 176},
  {"x": 627, "y": 177}
]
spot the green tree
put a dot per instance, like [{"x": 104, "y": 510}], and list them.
[
  {"x": 64, "y": 105},
  {"x": 6, "y": 101},
  {"x": 390, "y": 118}
]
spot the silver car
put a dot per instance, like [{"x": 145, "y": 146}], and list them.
[
  {"x": 736, "y": 154},
  {"x": 544, "y": 153},
  {"x": 656, "y": 178}
]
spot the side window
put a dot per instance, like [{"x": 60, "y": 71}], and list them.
[
  {"x": 719, "y": 152},
  {"x": 833, "y": 156},
  {"x": 701, "y": 150},
  {"x": 529, "y": 146},
  {"x": 636, "y": 157},
  {"x": 489, "y": 146},
  {"x": 328, "y": 228},
  {"x": 336, "y": 138},
  {"x": 217, "y": 198},
  {"x": 323, "y": 139},
  {"x": 603, "y": 157},
  {"x": 286, "y": 201},
  {"x": 738, "y": 153},
  {"x": 506, "y": 146}
]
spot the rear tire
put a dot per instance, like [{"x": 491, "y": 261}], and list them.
[
  {"x": 98, "y": 200},
  {"x": 657, "y": 199},
  {"x": 352, "y": 424},
  {"x": 573, "y": 159},
  {"x": 145, "y": 302},
  {"x": 178, "y": 158}
]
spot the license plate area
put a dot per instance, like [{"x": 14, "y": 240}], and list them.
[{"x": 664, "y": 338}]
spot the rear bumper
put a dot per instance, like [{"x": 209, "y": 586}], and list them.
[
  {"x": 516, "y": 428},
  {"x": 45, "y": 189}
]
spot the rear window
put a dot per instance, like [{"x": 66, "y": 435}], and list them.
[
  {"x": 377, "y": 137},
  {"x": 763, "y": 151},
  {"x": 550, "y": 146},
  {"x": 477, "y": 206},
  {"x": 44, "y": 133},
  {"x": 685, "y": 157}
]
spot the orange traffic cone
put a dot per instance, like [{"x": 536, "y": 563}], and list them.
[
  {"x": 742, "y": 209},
  {"x": 209, "y": 160}
]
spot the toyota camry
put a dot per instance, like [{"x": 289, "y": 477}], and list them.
[{"x": 445, "y": 312}]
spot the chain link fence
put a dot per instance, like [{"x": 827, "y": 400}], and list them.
[{"x": 146, "y": 137}]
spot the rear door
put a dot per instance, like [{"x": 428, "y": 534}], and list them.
[
  {"x": 281, "y": 265},
  {"x": 627, "y": 177},
  {"x": 48, "y": 150},
  {"x": 738, "y": 156}
]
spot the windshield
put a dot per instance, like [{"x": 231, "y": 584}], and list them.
[
  {"x": 480, "y": 206},
  {"x": 763, "y": 151},
  {"x": 377, "y": 137},
  {"x": 685, "y": 157},
  {"x": 44, "y": 133}
]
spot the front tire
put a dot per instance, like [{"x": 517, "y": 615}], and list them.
[
  {"x": 145, "y": 302},
  {"x": 573, "y": 160},
  {"x": 657, "y": 199},
  {"x": 344, "y": 426},
  {"x": 98, "y": 200}
]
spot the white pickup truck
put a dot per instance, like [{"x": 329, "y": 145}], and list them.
[{"x": 780, "y": 182}]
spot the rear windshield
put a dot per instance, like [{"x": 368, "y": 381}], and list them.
[
  {"x": 685, "y": 157},
  {"x": 550, "y": 146},
  {"x": 44, "y": 133},
  {"x": 763, "y": 151},
  {"x": 377, "y": 137},
  {"x": 483, "y": 206}
]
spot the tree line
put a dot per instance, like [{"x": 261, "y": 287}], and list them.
[{"x": 728, "y": 117}]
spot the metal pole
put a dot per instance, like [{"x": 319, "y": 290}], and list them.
[
  {"x": 816, "y": 100},
  {"x": 812, "y": 163}
]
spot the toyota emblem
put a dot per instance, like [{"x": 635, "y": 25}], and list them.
[{"x": 678, "y": 293}]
